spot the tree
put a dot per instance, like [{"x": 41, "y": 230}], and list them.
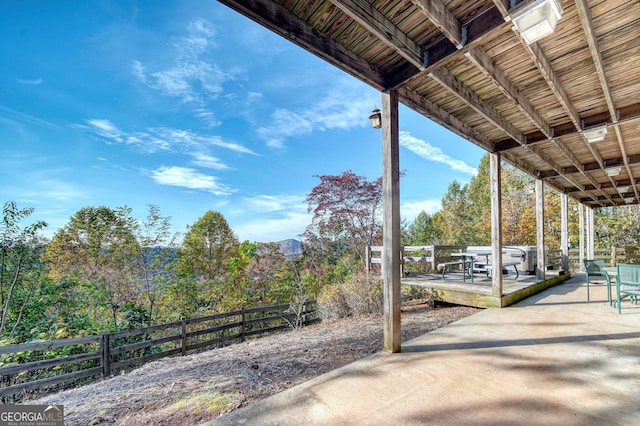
[
  {"x": 206, "y": 250},
  {"x": 422, "y": 231},
  {"x": 346, "y": 214},
  {"x": 19, "y": 264},
  {"x": 98, "y": 249},
  {"x": 156, "y": 254}
]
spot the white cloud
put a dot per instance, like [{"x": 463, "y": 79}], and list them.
[
  {"x": 34, "y": 81},
  {"x": 411, "y": 209},
  {"x": 432, "y": 153},
  {"x": 345, "y": 106},
  {"x": 291, "y": 225},
  {"x": 158, "y": 139},
  {"x": 209, "y": 162},
  {"x": 272, "y": 203},
  {"x": 189, "y": 77},
  {"x": 106, "y": 129},
  {"x": 189, "y": 178}
]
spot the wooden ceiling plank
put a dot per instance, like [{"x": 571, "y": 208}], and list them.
[
  {"x": 279, "y": 20},
  {"x": 482, "y": 61},
  {"x": 544, "y": 157},
  {"x": 590, "y": 34},
  {"x": 574, "y": 160},
  {"x": 451, "y": 83},
  {"x": 627, "y": 115},
  {"x": 503, "y": 7},
  {"x": 448, "y": 24},
  {"x": 440, "y": 116},
  {"x": 367, "y": 16},
  {"x": 546, "y": 69},
  {"x": 592, "y": 41},
  {"x": 479, "y": 29}
]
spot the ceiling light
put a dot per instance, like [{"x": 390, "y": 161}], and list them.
[
  {"x": 595, "y": 134},
  {"x": 613, "y": 171},
  {"x": 629, "y": 200},
  {"x": 376, "y": 119},
  {"x": 623, "y": 188},
  {"x": 537, "y": 19}
]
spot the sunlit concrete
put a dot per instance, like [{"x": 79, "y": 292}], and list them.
[{"x": 550, "y": 359}]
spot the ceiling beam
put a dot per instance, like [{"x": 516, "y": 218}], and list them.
[
  {"x": 574, "y": 160},
  {"x": 482, "y": 27},
  {"x": 482, "y": 61},
  {"x": 432, "y": 111},
  {"x": 446, "y": 22},
  {"x": 282, "y": 22},
  {"x": 546, "y": 69},
  {"x": 368, "y": 16},
  {"x": 592, "y": 41},
  {"x": 627, "y": 115},
  {"x": 455, "y": 86}
]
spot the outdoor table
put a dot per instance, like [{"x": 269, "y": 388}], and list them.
[{"x": 469, "y": 257}]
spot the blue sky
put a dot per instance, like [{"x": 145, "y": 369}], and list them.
[{"x": 190, "y": 106}]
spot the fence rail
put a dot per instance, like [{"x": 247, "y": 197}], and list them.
[{"x": 96, "y": 357}]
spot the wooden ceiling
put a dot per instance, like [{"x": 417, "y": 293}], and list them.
[{"x": 461, "y": 64}]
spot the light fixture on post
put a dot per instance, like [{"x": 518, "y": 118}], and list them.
[
  {"x": 594, "y": 134},
  {"x": 376, "y": 119},
  {"x": 537, "y": 19}
]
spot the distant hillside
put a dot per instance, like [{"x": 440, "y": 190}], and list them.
[{"x": 291, "y": 249}]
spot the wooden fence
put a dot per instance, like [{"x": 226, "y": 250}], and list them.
[{"x": 29, "y": 369}]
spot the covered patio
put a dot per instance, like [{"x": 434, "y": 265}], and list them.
[
  {"x": 552, "y": 359},
  {"x": 549, "y": 86}
]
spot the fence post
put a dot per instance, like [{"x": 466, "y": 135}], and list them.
[
  {"x": 242, "y": 328},
  {"x": 614, "y": 259},
  {"x": 183, "y": 336},
  {"x": 106, "y": 355}
]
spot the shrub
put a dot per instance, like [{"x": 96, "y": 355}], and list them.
[{"x": 359, "y": 295}]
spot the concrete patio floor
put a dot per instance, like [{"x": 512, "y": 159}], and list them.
[{"x": 550, "y": 359}]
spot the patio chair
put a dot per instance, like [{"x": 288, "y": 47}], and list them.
[
  {"x": 597, "y": 267},
  {"x": 627, "y": 284}
]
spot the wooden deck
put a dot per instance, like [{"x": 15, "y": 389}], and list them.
[{"x": 453, "y": 289}]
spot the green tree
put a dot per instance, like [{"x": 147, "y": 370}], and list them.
[
  {"x": 20, "y": 269},
  {"x": 206, "y": 250},
  {"x": 422, "y": 231},
  {"x": 98, "y": 249},
  {"x": 157, "y": 252}
]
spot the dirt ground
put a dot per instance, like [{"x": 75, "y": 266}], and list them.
[{"x": 192, "y": 389}]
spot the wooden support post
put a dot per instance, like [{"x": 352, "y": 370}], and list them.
[
  {"x": 590, "y": 234},
  {"x": 183, "y": 335},
  {"x": 564, "y": 232},
  {"x": 106, "y": 355},
  {"x": 391, "y": 226},
  {"x": 540, "y": 268},
  {"x": 581, "y": 225},
  {"x": 496, "y": 223}
]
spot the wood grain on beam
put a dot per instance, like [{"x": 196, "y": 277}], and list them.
[
  {"x": 279, "y": 20},
  {"x": 544, "y": 66},
  {"x": 367, "y": 16},
  {"x": 482, "y": 61},
  {"x": 432, "y": 111},
  {"x": 451, "y": 83},
  {"x": 438, "y": 13},
  {"x": 590, "y": 34}
]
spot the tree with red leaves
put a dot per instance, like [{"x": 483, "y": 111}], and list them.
[{"x": 347, "y": 215}]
